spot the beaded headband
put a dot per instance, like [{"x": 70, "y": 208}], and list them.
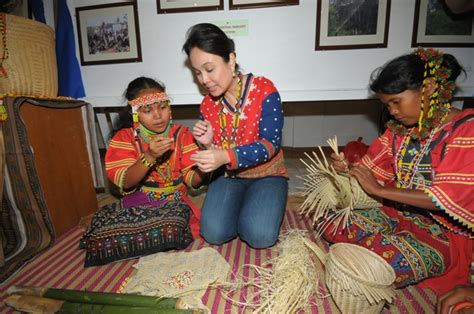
[{"x": 150, "y": 99}]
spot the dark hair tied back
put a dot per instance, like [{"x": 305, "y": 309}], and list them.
[
  {"x": 209, "y": 38},
  {"x": 406, "y": 72}
]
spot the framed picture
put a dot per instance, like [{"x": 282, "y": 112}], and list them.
[
  {"x": 108, "y": 33},
  {"x": 352, "y": 24},
  {"x": 251, "y": 4},
  {"x": 176, "y": 6},
  {"x": 435, "y": 26}
]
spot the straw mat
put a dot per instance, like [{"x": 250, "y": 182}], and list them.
[{"x": 61, "y": 266}]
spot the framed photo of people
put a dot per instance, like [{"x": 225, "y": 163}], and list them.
[
  {"x": 251, "y": 4},
  {"x": 435, "y": 26},
  {"x": 356, "y": 24},
  {"x": 108, "y": 33},
  {"x": 176, "y": 6}
]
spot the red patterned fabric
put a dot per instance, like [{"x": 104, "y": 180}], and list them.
[{"x": 257, "y": 151}]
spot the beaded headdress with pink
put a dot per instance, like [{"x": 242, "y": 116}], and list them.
[{"x": 440, "y": 99}]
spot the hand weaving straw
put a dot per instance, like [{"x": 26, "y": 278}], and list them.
[{"x": 330, "y": 197}]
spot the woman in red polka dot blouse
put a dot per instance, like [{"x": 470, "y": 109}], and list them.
[{"x": 240, "y": 133}]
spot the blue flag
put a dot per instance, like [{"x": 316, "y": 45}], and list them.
[{"x": 69, "y": 72}]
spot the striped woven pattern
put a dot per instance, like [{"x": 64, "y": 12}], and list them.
[
  {"x": 61, "y": 266},
  {"x": 31, "y": 63}
]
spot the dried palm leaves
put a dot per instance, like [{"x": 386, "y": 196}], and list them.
[{"x": 330, "y": 197}]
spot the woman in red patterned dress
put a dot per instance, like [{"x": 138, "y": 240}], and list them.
[{"x": 422, "y": 168}]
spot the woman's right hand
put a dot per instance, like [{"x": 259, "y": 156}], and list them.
[
  {"x": 203, "y": 133},
  {"x": 340, "y": 163}
]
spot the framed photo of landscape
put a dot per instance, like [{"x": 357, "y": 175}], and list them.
[
  {"x": 352, "y": 24},
  {"x": 177, "y": 6},
  {"x": 435, "y": 26},
  {"x": 252, "y": 4},
  {"x": 108, "y": 33}
]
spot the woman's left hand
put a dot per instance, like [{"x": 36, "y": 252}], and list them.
[
  {"x": 210, "y": 160},
  {"x": 366, "y": 179}
]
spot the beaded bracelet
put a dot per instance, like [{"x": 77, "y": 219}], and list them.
[{"x": 146, "y": 162}]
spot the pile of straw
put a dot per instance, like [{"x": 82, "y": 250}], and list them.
[{"x": 287, "y": 283}]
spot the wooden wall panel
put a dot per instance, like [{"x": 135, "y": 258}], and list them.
[{"x": 58, "y": 140}]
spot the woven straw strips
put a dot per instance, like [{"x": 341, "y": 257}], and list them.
[
  {"x": 31, "y": 63},
  {"x": 359, "y": 280},
  {"x": 330, "y": 196}
]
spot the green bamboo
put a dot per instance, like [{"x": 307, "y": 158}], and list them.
[
  {"x": 109, "y": 298},
  {"x": 90, "y": 297},
  {"x": 81, "y": 308}
]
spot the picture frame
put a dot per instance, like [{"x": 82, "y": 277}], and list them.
[
  {"x": 252, "y": 4},
  {"x": 177, "y": 6},
  {"x": 435, "y": 26},
  {"x": 366, "y": 26},
  {"x": 108, "y": 33}
]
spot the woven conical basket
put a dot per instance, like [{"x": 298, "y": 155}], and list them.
[
  {"x": 331, "y": 196},
  {"x": 359, "y": 280},
  {"x": 31, "y": 64}
]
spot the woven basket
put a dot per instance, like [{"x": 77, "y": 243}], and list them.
[
  {"x": 31, "y": 63},
  {"x": 359, "y": 280}
]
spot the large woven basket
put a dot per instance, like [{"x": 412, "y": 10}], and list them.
[
  {"x": 31, "y": 64},
  {"x": 359, "y": 280}
]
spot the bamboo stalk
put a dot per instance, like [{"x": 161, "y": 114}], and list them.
[
  {"x": 37, "y": 304},
  {"x": 90, "y": 297}
]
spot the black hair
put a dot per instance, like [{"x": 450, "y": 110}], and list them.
[
  {"x": 406, "y": 72},
  {"x": 133, "y": 89},
  {"x": 209, "y": 38}
]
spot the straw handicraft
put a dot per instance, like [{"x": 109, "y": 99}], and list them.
[
  {"x": 288, "y": 283},
  {"x": 359, "y": 280},
  {"x": 330, "y": 197}
]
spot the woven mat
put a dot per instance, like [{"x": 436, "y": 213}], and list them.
[{"x": 61, "y": 266}]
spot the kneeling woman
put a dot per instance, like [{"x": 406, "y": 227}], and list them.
[{"x": 149, "y": 161}]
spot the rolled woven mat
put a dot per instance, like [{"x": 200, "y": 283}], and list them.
[{"x": 29, "y": 58}]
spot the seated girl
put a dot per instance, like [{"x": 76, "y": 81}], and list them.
[
  {"x": 423, "y": 169},
  {"x": 149, "y": 161}
]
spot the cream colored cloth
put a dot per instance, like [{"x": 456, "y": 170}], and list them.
[{"x": 183, "y": 274}]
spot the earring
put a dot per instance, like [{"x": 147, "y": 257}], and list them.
[{"x": 233, "y": 73}]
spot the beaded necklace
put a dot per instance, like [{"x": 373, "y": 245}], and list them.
[
  {"x": 163, "y": 166},
  {"x": 439, "y": 108},
  {"x": 226, "y": 141},
  {"x": 405, "y": 177}
]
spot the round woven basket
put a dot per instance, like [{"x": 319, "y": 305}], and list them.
[
  {"x": 31, "y": 64},
  {"x": 359, "y": 280}
]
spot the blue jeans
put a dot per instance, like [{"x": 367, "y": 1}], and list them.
[{"x": 250, "y": 208}]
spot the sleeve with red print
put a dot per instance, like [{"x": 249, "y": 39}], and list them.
[
  {"x": 269, "y": 128},
  {"x": 379, "y": 158},
  {"x": 187, "y": 146},
  {"x": 453, "y": 183},
  {"x": 121, "y": 154}
]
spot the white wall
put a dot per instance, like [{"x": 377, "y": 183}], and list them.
[{"x": 280, "y": 45}]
